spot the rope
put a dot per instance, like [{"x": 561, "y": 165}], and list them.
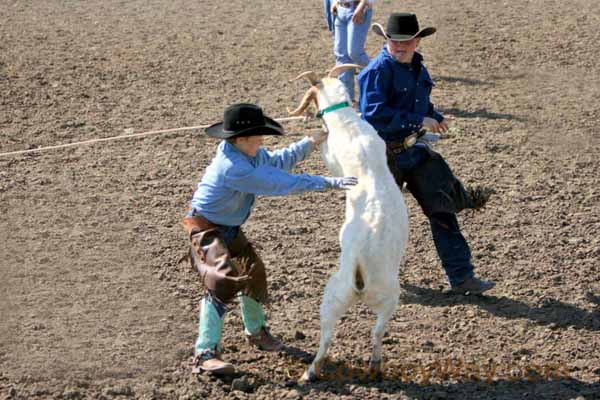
[{"x": 148, "y": 133}]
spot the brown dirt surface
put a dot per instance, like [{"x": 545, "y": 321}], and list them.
[{"x": 96, "y": 298}]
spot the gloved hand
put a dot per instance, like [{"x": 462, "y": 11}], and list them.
[{"x": 345, "y": 183}]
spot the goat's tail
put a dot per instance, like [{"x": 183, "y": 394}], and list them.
[{"x": 358, "y": 279}]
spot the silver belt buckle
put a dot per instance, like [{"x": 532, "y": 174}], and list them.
[{"x": 410, "y": 140}]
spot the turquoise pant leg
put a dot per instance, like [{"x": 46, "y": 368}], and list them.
[
  {"x": 253, "y": 315},
  {"x": 210, "y": 327}
]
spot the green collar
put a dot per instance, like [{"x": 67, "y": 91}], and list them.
[{"x": 332, "y": 108}]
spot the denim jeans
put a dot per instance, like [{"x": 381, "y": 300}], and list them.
[
  {"x": 349, "y": 43},
  {"x": 451, "y": 245}
]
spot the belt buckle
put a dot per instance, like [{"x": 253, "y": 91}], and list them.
[{"x": 410, "y": 141}]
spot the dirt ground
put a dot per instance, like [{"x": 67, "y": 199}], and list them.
[{"x": 97, "y": 299}]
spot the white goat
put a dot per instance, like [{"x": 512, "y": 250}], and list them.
[{"x": 374, "y": 235}]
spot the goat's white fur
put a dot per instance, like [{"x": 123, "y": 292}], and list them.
[{"x": 375, "y": 232}]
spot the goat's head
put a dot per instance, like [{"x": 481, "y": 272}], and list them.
[{"x": 324, "y": 92}]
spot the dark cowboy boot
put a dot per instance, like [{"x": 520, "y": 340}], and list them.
[
  {"x": 264, "y": 340},
  {"x": 473, "y": 285}
]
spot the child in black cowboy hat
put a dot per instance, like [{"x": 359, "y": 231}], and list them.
[
  {"x": 227, "y": 262},
  {"x": 394, "y": 98}
]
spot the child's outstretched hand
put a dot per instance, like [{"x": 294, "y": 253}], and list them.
[
  {"x": 319, "y": 137},
  {"x": 345, "y": 183}
]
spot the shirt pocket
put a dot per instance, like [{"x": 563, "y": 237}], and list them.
[
  {"x": 404, "y": 84},
  {"x": 422, "y": 92}
]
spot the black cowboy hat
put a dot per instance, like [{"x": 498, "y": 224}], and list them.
[
  {"x": 402, "y": 27},
  {"x": 244, "y": 119}
]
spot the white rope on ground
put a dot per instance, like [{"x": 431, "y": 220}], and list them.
[{"x": 148, "y": 133}]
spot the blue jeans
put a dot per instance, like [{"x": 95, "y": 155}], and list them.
[
  {"x": 349, "y": 43},
  {"x": 451, "y": 245}
]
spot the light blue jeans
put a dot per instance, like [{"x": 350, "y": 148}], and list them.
[{"x": 349, "y": 43}]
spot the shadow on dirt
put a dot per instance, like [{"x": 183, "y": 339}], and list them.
[
  {"x": 298, "y": 354},
  {"x": 243, "y": 381},
  {"x": 449, "y": 379},
  {"x": 476, "y": 82},
  {"x": 497, "y": 389},
  {"x": 592, "y": 298},
  {"x": 482, "y": 113},
  {"x": 466, "y": 81},
  {"x": 551, "y": 312}
]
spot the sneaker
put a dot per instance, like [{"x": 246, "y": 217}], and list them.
[
  {"x": 210, "y": 361},
  {"x": 472, "y": 286},
  {"x": 264, "y": 340}
]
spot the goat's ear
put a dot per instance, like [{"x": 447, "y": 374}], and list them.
[
  {"x": 338, "y": 69},
  {"x": 312, "y": 77}
]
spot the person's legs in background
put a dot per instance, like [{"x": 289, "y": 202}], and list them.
[
  {"x": 341, "y": 51},
  {"x": 357, "y": 37}
]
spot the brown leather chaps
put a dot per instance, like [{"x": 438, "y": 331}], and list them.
[{"x": 225, "y": 270}]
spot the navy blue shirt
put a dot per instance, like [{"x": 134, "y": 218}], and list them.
[{"x": 394, "y": 97}]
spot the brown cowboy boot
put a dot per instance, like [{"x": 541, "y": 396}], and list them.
[
  {"x": 210, "y": 362},
  {"x": 264, "y": 340}
]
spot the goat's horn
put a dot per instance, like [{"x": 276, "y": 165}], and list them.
[
  {"x": 311, "y": 94},
  {"x": 338, "y": 69},
  {"x": 311, "y": 76}
]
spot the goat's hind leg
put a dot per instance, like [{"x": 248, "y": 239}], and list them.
[
  {"x": 385, "y": 310},
  {"x": 338, "y": 297}
]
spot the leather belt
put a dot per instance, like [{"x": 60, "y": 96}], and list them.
[
  {"x": 407, "y": 143},
  {"x": 197, "y": 223},
  {"x": 348, "y": 4}
]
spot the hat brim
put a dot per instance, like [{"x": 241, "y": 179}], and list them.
[
  {"x": 378, "y": 29},
  {"x": 270, "y": 128}
]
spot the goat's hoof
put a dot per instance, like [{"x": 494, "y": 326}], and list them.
[
  {"x": 309, "y": 376},
  {"x": 374, "y": 366},
  {"x": 375, "y": 370}
]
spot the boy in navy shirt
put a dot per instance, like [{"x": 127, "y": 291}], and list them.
[{"x": 394, "y": 98}]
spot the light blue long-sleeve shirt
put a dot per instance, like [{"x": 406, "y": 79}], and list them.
[{"x": 227, "y": 191}]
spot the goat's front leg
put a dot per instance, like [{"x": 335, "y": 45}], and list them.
[
  {"x": 384, "y": 311},
  {"x": 330, "y": 159}
]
